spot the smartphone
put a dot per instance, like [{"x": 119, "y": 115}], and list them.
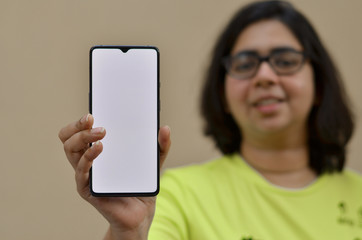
[{"x": 124, "y": 99}]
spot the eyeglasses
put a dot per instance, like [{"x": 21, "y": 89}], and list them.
[{"x": 245, "y": 64}]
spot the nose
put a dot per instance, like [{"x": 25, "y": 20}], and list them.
[{"x": 265, "y": 75}]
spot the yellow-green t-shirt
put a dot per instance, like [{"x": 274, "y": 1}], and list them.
[{"x": 226, "y": 199}]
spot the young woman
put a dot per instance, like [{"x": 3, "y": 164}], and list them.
[{"x": 275, "y": 106}]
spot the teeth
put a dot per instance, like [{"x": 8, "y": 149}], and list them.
[{"x": 267, "y": 102}]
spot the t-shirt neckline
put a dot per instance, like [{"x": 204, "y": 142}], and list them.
[{"x": 251, "y": 174}]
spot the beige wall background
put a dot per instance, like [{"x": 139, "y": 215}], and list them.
[{"x": 44, "y": 47}]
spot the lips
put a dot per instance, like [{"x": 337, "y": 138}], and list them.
[
  {"x": 268, "y": 105},
  {"x": 267, "y": 101}
]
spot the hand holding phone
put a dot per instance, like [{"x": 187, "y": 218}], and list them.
[
  {"x": 129, "y": 217},
  {"x": 126, "y": 215}
]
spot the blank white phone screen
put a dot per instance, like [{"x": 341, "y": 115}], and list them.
[{"x": 124, "y": 93}]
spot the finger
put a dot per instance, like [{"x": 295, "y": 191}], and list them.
[
  {"x": 85, "y": 122},
  {"x": 164, "y": 141},
  {"x": 81, "y": 140},
  {"x": 76, "y": 146},
  {"x": 83, "y": 167}
]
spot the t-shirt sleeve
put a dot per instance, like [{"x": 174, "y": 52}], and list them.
[{"x": 170, "y": 220}]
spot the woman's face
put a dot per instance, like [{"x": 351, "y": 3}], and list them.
[{"x": 268, "y": 102}]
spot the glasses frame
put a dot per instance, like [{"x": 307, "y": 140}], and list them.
[{"x": 227, "y": 60}]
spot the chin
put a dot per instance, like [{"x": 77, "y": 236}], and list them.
[{"x": 272, "y": 126}]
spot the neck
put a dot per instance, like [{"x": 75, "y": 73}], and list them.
[{"x": 283, "y": 163}]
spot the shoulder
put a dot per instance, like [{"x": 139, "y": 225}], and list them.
[
  {"x": 219, "y": 166},
  {"x": 347, "y": 181},
  {"x": 188, "y": 193},
  {"x": 201, "y": 176},
  {"x": 350, "y": 176}
]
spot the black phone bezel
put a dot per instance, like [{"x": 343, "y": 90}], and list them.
[{"x": 125, "y": 48}]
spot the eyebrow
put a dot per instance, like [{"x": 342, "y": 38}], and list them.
[
  {"x": 284, "y": 49},
  {"x": 272, "y": 51}
]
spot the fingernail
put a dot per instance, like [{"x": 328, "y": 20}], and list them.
[
  {"x": 96, "y": 143},
  {"x": 97, "y": 130},
  {"x": 84, "y": 118},
  {"x": 169, "y": 129}
]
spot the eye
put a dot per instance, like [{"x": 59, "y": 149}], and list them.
[
  {"x": 243, "y": 66},
  {"x": 244, "y": 63},
  {"x": 286, "y": 62}
]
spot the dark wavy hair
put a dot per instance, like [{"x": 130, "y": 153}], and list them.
[{"x": 330, "y": 123}]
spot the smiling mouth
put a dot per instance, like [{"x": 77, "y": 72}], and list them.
[{"x": 266, "y": 102}]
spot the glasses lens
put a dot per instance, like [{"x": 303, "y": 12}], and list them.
[
  {"x": 286, "y": 62},
  {"x": 243, "y": 65}
]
